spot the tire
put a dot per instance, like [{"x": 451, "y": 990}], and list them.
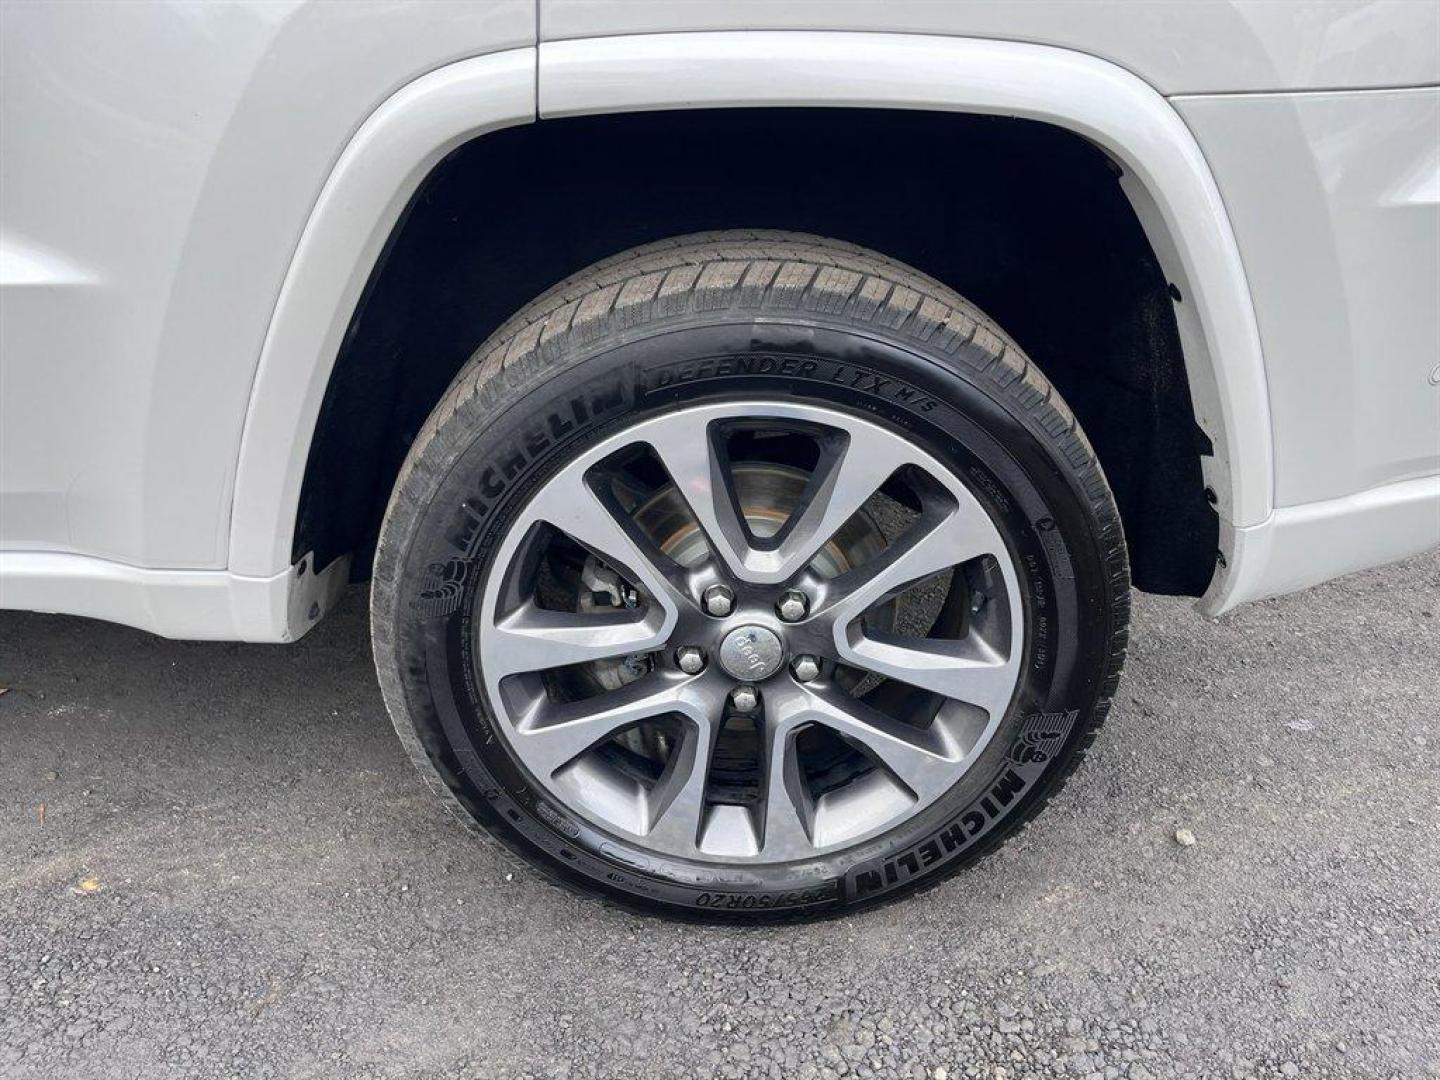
[{"x": 773, "y": 349}]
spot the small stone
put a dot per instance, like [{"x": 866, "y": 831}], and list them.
[
  {"x": 1289, "y": 1069},
  {"x": 1184, "y": 837},
  {"x": 940, "y": 1072}
]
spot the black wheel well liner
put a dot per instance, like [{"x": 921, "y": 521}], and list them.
[{"x": 1023, "y": 218}]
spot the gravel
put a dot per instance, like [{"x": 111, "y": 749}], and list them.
[{"x": 216, "y": 861}]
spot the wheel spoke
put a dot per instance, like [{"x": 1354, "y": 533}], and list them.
[
  {"x": 676, "y": 805},
  {"x": 966, "y": 670},
  {"x": 702, "y": 475},
  {"x": 922, "y": 760},
  {"x": 572, "y": 505},
  {"x": 534, "y": 639},
  {"x": 788, "y": 821},
  {"x": 852, "y": 467},
  {"x": 552, "y": 736},
  {"x": 939, "y": 540}
]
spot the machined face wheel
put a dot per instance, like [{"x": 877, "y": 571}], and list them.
[{"x": 750, "y": 632}]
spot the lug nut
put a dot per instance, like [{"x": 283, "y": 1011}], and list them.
[
  {"x": 719, "y": 601},
  {"x": 792, "y": 606},
  {"x": 744, "y": 698},
  {"x": 805, "y": 668},
  {"x": 691, "y": 659}
]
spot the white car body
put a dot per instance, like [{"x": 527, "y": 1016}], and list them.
[{"x": 194, "y": 195}]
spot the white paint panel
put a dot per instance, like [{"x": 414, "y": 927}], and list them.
[
  {"x": 1335, "y": 201},
  {"x": 1301, "y": 546},
  {"x": 199, "y": 604},
  {"x": 1178, "y": 46},
  {"x": 169, "y": 155}
]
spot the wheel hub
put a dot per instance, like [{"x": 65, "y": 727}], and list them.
[{"x": 751, "y": 653}]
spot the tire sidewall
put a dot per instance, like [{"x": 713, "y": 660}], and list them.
[{"x": 451, "y": 515}]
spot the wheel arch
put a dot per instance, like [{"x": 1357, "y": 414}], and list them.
[{"x": 1164, "y": 176}]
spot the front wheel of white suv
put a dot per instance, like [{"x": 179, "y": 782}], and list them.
[{"x": 749, "y": 575}]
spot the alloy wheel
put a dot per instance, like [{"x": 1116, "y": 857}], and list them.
[{"x": 750, "y": 632}]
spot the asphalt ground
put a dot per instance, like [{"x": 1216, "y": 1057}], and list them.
[{"x": 215, "y": 861}]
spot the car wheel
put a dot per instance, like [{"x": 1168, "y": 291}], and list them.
[{"x": 749, "y": 575}]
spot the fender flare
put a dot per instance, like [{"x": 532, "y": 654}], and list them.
[{"x": 1165, "y": 177}]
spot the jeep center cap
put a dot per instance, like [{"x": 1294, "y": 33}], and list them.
[{"x": 750, "y": 653}]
